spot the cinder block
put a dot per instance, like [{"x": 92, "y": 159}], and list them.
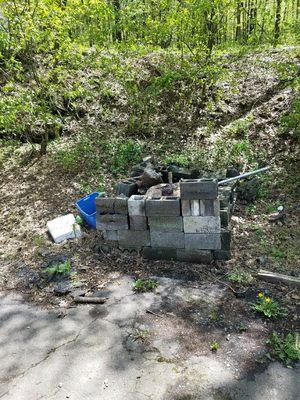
[
  {"x": 202, "y": 241},
  {"x": 105, "y": 205},
  {"x": 136, "y": 205},
  {"x": 186, "y": 208},
  {"x": 195, "y": 256},
  {"x": 121, "y": 205},
  {"x": 153, "y": 253},
  {"x": 111, "y": 222},
  {"x": 210, "y": 208},
  {"x": 167, "y": 239},
  {"x": 194, "y": 189},
  {"x": 133, "y": 239},
  {"x": 165, "y": 224},
  {"x": 195, "y": 207},
  {"x": 127, "y": 187},
  {"x": 201, "y": 224},
  {"x": 167, "y": 206},
  {"x": 222, "y": 255},
  {"x": 110, "y": 235},
  {"x": 225, "y": 216},
  {"x": 138, "y": 222}
]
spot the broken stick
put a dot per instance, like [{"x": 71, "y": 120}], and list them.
[
  {"x": 273, "y": 277},
  {"x": 90, "y": 300}
]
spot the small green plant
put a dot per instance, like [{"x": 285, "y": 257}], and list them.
[
  {"x": 181, "y": 160},
  {"x": 242, "y": 327},
  {"x": 240, "y": 277},
  {"x": 38, "y": 240},
  {"x": 277, "y": 253},
  {"x": 79, "y": 220},
  {"x": 250, "y": 209},
  {"x": 144, "y": 285},
  {"x": 140, "y": 334},
  {"x": 286, "y": 348},
  {"x": 63, "y": 268},
  {"x": 240, "y": 126},
  {"x": 214, "y": 346},
  {"x": 268, "y": 307}
]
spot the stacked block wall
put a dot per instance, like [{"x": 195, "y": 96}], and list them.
[{"x": 192, "y": 228}]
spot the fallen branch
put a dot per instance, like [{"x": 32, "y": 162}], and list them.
[
  {"x": 153, "y": 313},
  {"x": 90, "y": 300},
  {"x": 273, "y": 277}
]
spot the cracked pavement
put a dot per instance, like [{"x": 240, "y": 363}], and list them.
[{"x": 93, "y": 353}]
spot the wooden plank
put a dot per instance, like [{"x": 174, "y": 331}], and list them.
[
  {"x": 90, "y": 300},
  {"x": 274, "y": 277}
]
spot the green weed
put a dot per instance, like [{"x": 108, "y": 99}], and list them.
[
  {"x": 268, "y": 307},
  {"x": 144, "y": 285},
  {"x": 290, "y": 123},
  {"x": 239, "y": 127},
  {"x": 214, "y": 346},
  {"x": 285, "y": 348},
  {"x": 63, "y": 268},
  {"x": 181, "y": 160},
  {"x": 241, "y": 277}
]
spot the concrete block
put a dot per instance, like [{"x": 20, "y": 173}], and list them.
[
  {"x": 110, "y": 235},
  {"x": 225, "y": 216},
  {"x": 195, "y": 256},
  {"x": 112, "y": 222},
  {"x": 153, "y": 253},
  {"x": 64, "y": 227},
  {"x": 186, "y": 208},
  {"x": 165, "y": 224},
  {"x": 167, "y": 206},
  {"x": 202, "y": 241},
  {"x": 133, "y": 239},
  {"x": 225, "y": 239},
  {"x": 194, "y": 189},
  {"x": 136, "y": 205},
  {"x": 210, "y": 208},
  {"x": 195, "y": 207},
  {"x": 121, "y": 205},
  {"x": 127, "y": 187},
  {"x": 138, "y": 222},
  {"x": 105, "y": 205},
  {"x": 201, "y": 224},
  {"x": 167, "y": 239},
  {"x": 222, "y": 255}
]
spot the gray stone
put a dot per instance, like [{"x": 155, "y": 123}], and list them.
[
  {"x": 210, "y": 208},
  {"x": 193, "y": 189},
  {"x": 165, "y": 224},
  {"x": 150, "y": 177},
  {"x": 167, "y": 206},
  {"x": 138, "y": 222},
  {"x": 225, "y": 239},
  {"x": 153, "y": 253},
  {"x": 167, "y": 239},
  {"x": 133, "y": 239},
  {"x": 202, "y": 241},
  {"x": 201, "y": 224},
  {"x": 121, "y": 205},
  {"x": 112, "y": 222},
  {"x": 225, "y": 217},
  {"x": 194, "y": 256},
  {"x": 136, "y": 205},
  {"x": 105, "y": 205},
  {"x": 110, "y": 235}
]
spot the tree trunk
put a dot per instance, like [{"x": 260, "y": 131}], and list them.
[
  {"x": 117, "y": 35},
  {"x": 238, "y": 30},
  {"x": 277, "y": 21}
]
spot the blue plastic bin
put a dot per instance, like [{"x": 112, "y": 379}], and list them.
[{"x": 87, "y": 209}]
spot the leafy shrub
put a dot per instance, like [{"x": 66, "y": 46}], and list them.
[
  {"x": 124, "y": 153},
  {"x": 290, "y": 123},
  {"x": 144, "y": 285},
  {"x": 286, "y": 348},
  {"x": 181, "y": 160},
  {"x": 240, "y": 277},
  {"x": 267, "y": 306},
  {"x": 63, "y": 268}
]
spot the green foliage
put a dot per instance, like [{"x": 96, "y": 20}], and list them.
[
  {"x": 285, "y": 348},
  {"x": 124, "y": 152},
  {"x": 290, "y": 123},
  {"x": 181, "y": 160},
  {"x": 268, "y": 307},
  {"x": 239, "y": 127},
  {"x": 63, "y": 268},
  {"x": 214, "y": 346},
  {"x": 144, "y": 285},
  {"x": 240, "y": 276}
]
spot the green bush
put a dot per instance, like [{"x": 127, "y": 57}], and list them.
[
  {"x": 290, "y": 123},
  {"x": 286, "y": 348}
]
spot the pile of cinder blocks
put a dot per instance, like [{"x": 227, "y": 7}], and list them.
[{"x": 188, "y": 228}]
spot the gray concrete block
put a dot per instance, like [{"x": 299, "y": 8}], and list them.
[
  {"x": 210, "y": 208},
  {"x": 186, "y": 208},
  {"x": 222, "y": 255},
  {"x": 111, "y": 222},
  {"x": 225, "y": 239},
  {"x": 202, "y": 241},
  {"x": 136, "y": 205},
  {"x": 127, "y": 187},
  {"x": 167, "y": 239},
  {"x": 195, "y": 256},
  {"x": 194, "y": 189},
  {"x": 110, "y": 235},
  {"x": 105, "y": 205},
  {"x": 201, "y": 224},
  {"x": 121, "y": 206},
  {"x": 138, "y": 222},
  {"x": 167, "y": 206},
  {"x": 165, "y": 224},
  {"x": 133, "y": 239},
  {"x": 225, "y": 217},
  {"x": 195, "y": 207},
  {"x": 153, "y": 253}
]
